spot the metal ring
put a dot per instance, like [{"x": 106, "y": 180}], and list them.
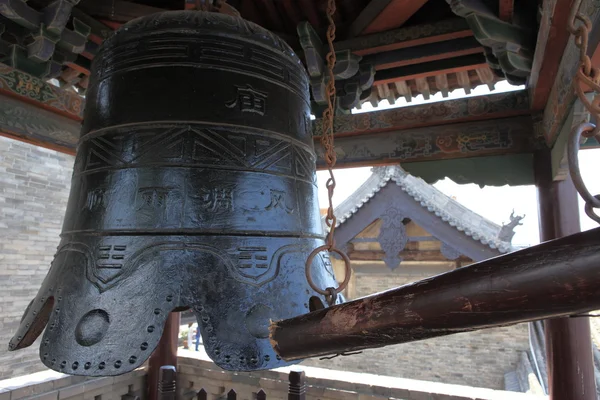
[
  {"x": 573, "y": 160},
  {"x": 589, "y": 210},
  {"x": 309, "y": 261}
]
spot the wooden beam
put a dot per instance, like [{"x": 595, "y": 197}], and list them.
[
  {"x": 440, "y": 113},
  {"x": 367, "y": 15},
  {"x": 504, "y": 290},
  {"x": 426, "y": 69},
  {"x": 412, "y": 36},
  {"x": 99, "y": 32},
  {"x": 443, "y": 142},
  {"x": 406, "y": 255},
  {"x": 424, "y": 53},
  {"x": 22, "y": 121},
  {"x": 568, "y": 340},
  {"x": 382, "y": 15},
  {"x": 29, "y": 89},
  {"x": 552, "y": 40},
  {"x": 394, "y": 15},
  {"x": 502, "y": 170},
  {"x": 562, "y": 94},
  {"x": 506, "y": 9}
]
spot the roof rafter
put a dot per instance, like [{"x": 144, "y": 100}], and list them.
[{"x": 382, "y": 15}]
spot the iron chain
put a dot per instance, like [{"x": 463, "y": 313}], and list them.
[
  {"x": 330, "y": 159},
  {"x": 587, "y": 76}
]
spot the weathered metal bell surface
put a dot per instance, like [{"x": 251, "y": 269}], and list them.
[{"x": 194, "y": 186}]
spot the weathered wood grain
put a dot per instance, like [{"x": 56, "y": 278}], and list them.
[{"x": 556, "y": 278}]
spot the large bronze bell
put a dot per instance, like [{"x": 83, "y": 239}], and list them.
[{"x": 194, "y": 186}]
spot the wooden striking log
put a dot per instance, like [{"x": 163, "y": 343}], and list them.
[{"x": 556, "y": 278}]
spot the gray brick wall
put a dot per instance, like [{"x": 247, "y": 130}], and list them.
[
  {"x": 473, "y": 359},
  {"x": 34, "y": 186}
]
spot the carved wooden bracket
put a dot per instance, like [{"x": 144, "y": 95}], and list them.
[
  {"x": 353, "y": 79},
  {"x": 509, "y": 47},
  {"x": 50, "y": 43}
]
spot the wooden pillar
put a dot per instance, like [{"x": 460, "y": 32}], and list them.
[
  {"x": 164, "y": 354},
  {"x": 568, "y": 340}
]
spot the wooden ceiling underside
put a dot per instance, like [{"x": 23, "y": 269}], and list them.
[{"x": 414, "y": 46}]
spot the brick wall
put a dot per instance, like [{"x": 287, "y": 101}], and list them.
[
  {"x": 474, "y": 359},
  {"x": 34, "y": 186}
]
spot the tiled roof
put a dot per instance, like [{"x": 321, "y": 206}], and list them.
[{"x": 436, "y": 202}]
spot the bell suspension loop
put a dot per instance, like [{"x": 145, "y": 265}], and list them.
[
  {"x": 587, "y": 75},
  {"x": 330, "y": 158}
]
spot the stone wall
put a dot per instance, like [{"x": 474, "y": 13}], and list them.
[
  {"x": 475, "y": 359},
  {"x": 196, "y": 372},
  {"x": 34, "y": 186},
  {"x": 51, "y": 385}
]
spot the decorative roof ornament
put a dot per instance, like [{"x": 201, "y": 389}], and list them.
[{"x": 508, "y": 230}]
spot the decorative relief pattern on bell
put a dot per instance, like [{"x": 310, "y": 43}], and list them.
[{"x": 194, "y": 186}]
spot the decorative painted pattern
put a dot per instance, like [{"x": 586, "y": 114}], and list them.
[
  {"x": 473, "y": 108},
  {"x": 24, "y": 121},
  {"x": 34, "y": 90},
  {"x": 562, "y": 95},
  {"x": 494, "y": 137},
  {"x": 365, "y": 42}
]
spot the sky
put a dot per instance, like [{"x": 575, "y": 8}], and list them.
[{"x": 493, "y": 203}]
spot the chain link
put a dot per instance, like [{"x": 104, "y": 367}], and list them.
[
  {"x": 580, "y": 26},
  {"x": 330, "y": 160}
]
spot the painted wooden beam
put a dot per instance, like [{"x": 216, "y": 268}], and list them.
[
  {"x": 424, "y": 53},
  {"x": 402, "y": 38},
  {"x": 439, "y": 113},
  {"x": 425, "y": 69},
  {"x": 506, "y": 169},
  {"x": 448, "y": 141},
  {"x": 22, "y": 121},
  {"x": 26, "y": 88},
  {"x": 552, "y": 40},
  {"x": 562, "y": 94},
  {"x": 382, "y": 15},
  {"x": 426, "y": 152}
]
